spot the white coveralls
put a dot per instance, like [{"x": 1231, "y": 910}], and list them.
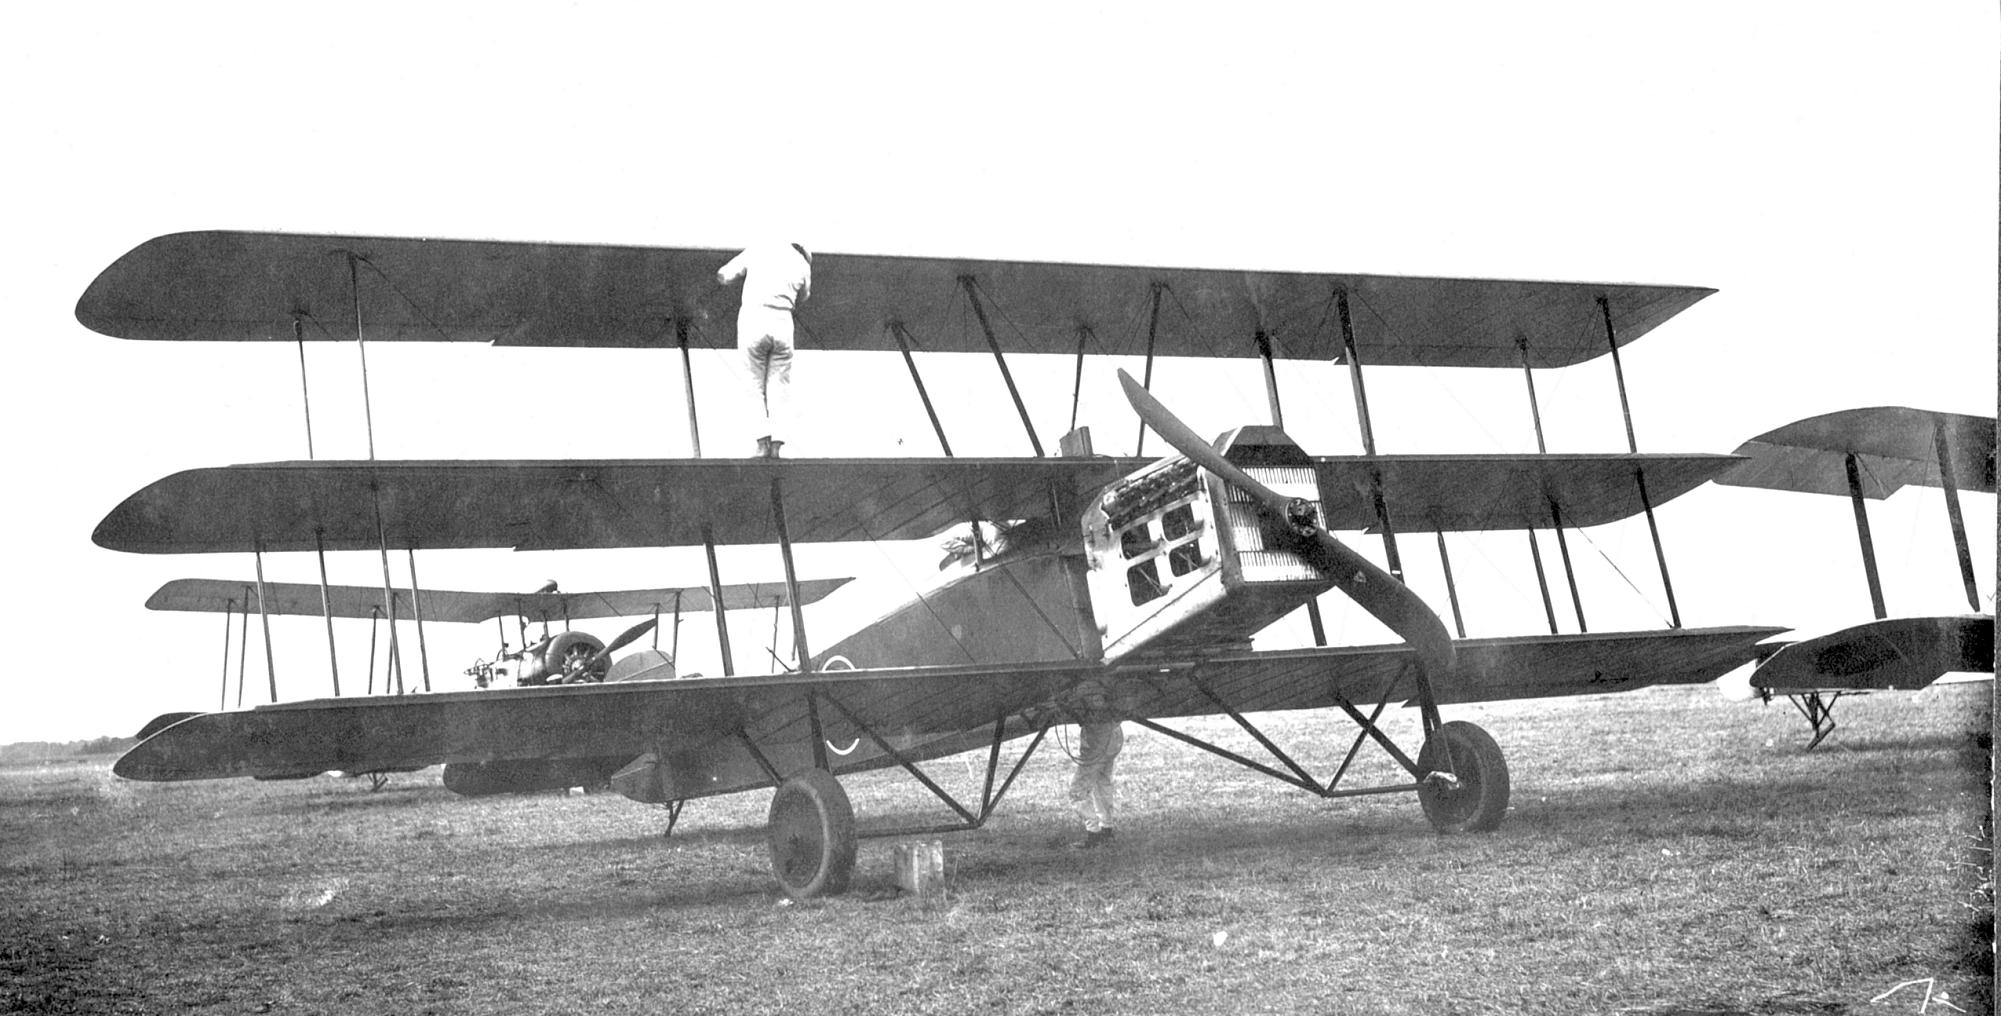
[
  {"x": 776, "y": 279},
  {"x": 1092, "y": 789}
]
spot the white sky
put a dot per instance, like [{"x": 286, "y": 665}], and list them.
[{"x": 1831, "y": 168}]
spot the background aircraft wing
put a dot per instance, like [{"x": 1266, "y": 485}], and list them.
[
  {"x": 563, "y": 505},
  {"x": 246, "y": 286},
  {"x": 229, "y": 595},
  {"x": 1893, "y": 445},
  {"x": 1884, "y": 655}
]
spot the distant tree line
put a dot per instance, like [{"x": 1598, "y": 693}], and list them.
[{"x": 36, "y": 751}]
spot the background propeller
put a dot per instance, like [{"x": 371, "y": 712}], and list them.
[{"x": 602, "y": 656}]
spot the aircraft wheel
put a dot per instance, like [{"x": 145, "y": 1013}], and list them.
[
  {"x": 811, "y": 831},
  {"x": 1481, "y": 798},
  {"x": 567, "y": 655}
]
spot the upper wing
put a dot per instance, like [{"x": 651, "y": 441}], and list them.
[
  {"x": 1893, "y": 446},
  {"x": 237, "y": 286},
  {"x": 1883, "y": 655},
  {"x": 293, "y": 506},
  {"x": 226, "y": 596}
]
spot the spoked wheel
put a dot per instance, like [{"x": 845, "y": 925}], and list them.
[
  {"x": 811, "y": 831},
  {"x": 1480, "y": 797}
]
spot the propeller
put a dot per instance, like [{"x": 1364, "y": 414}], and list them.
[
  {"x": 1375, "y": 590},
  {"x": 599, "y": 658}
]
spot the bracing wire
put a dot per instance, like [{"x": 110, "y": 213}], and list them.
[{"x": 1644, "y": 598}]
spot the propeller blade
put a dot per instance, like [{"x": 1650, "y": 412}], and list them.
[
  {"x": 1372, "y": 588},
  {"x": 621, "y": 642}
]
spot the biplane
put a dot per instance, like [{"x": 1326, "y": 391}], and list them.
[
  {"x": 1870, "y": 454},
  {"x": 1129, "y": 590},
  {"x": 557, "y": 657}
]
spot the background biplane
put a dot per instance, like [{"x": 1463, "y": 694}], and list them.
[
  {"x": 1870, "y": 454},
  {"x": 1138, "y": 602},
  {"x": 553, "y": 655}
]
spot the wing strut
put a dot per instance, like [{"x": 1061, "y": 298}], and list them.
[
  {"x": 1862, "y": 534},
  {"x": 388, "y": 587},
  {"x": 242, "y": 648},
  {"x": 228, "y": 610},
  {"x": 799, "y": 645},
  {"x": 688, "y": 388},
  {"x": 971, "y": 286},
  {"x": 675, "y": 642},
  {"x": 1451, "y": 587},
  {"x": 1263, "y": 340},
  {"x": 270, "y": 661},
  {"x": 1633, "y": 445},
  {"x": 1376, "y": 498},
  {"x": 361, "y": 344},
  {"x": 716, "y": 595},
  {"x": 374, "y": 628},
  {"x": 1953, "y": 518},
  {"x": 326, "y": 607},
  {"x": 1660, "y": 555},
  {"x": 1077, "y": 386},
  {"x": 1569, "y": 573},
  {"x": 902, "y": 337},
  {"x": 1618, "y": 373},
  {"x": 417, "y": 611},
  {"x": 1152, "y": 333},
  {"x": 305, "y": 392},
  {"x": 1541, "y": 579},
  {"x": 1542, "y": 448}
]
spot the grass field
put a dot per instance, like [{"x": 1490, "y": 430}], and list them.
[{"x": 1666, "y": 852}]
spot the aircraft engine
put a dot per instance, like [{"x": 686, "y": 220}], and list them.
[
  {"x": 1178, "y": 557},
  {"x": 573, "y": 657}
]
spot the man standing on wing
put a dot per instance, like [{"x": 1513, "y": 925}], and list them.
[{"x": 776, "y": 280}]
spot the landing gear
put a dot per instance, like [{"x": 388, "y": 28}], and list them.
[
  {"x": 1819, "y": 712},
  {"x": 1473, "y": 796},
  {"x": 811, "y": 831}
]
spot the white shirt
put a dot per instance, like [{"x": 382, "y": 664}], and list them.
[{"x": 777, "y": 276}]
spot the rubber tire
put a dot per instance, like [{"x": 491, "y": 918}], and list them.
[
  {"x": 1481, "y": 800},
  {"x": 564, "y": 644},
  {"x": 811, "y": 833}
]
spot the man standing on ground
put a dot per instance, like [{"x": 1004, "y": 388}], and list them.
[
  {"x": 1092, "y": 789},
  {"x": 776, "y": 280}
]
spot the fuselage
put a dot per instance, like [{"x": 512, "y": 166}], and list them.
[{"x": 1164, "y": 561}]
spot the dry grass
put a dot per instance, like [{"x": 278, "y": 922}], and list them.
[{"x": 1667, "y": 852}]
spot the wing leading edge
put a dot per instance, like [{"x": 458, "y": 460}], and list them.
[
  {"x": 547, "y": 505},
  {"x": 248, "y": 286},
  {"x": 699, "y": 729}
]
